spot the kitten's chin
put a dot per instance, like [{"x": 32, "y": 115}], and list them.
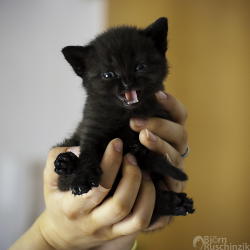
[{"x": 131, "y": 105}]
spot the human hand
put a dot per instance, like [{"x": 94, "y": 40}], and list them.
[
  {"x": 89, "y": 220},
  {"x": 168, "y": 138}
]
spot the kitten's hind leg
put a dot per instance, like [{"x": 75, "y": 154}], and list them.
[{"x": 172, "y": 203}]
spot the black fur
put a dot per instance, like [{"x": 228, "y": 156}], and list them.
[{"x": 133, "y": 59}]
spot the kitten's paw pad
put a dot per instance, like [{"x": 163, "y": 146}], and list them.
[
  {"x": 65, "y": 163},
  {"x": 79, "y": 190}
]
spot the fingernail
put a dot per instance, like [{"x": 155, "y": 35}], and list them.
[
  {"x": 138, "y": 122},
  {"x": 150, "y": 136},
  {"x": 74, "y": 150},
  {"x": 118, "y": 146},
  {"x": 161, "y": 95},
  {"x": 131, "y": 159}
]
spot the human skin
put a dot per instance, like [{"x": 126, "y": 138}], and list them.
[{"x": 114, "y": 222}]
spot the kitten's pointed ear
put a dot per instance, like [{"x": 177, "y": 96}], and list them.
[
  {"x": 77, "y": 56},
  {"x": 158, "y": 31}
]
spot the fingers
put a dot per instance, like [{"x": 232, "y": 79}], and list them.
[
  {"x": 73, "y": 206},
  {"x": 120, "y": 204},
  {"x": 76, "y": 205},
  {"x": 171, "y": 131},
  {"x": 166, "y": 137},
  {"x": 175, "y": 108},
  {"x": 156, "y": 144},
  {"x": 167, "y": 130},
  {"x": 111, "y": 162},
  {"x": 142, "y": 210}
]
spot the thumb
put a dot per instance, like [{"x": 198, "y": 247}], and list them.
[{"x": 49, "y": 175}]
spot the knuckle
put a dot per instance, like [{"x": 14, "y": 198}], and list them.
[
  {"x": 155, "y": 124},
  {"x": 120, "y": 210},
  {"x": 70, "y": 213},
  {"x": 148, "y": 138},
  {"x": 141, "y": 223},
  {"x": 90, "y": 231},
  {"x": 174, "y": 159}
]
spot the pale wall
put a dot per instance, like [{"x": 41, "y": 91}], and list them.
[{"x": 41, "y": 99}]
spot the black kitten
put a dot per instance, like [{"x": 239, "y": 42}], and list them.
[{"x": 121, "y": 69}]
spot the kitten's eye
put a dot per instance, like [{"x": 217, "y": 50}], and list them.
[
  {"x": 108, "y": 75},
  {"x": 140, "y": 67}
]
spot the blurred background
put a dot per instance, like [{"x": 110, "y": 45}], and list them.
[{"x": 41, "y": 101}]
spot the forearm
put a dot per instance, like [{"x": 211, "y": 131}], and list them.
[{"x": 32, "y": 239}]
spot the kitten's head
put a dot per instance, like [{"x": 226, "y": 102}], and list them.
[{"x": 124, "y": 65}]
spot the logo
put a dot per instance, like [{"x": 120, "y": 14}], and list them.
[
  {"x": 217, "y": 243},
  {"x": 198, "y": 239}
]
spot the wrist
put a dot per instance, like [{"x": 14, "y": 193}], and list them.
[
  {"x": 32, "y": 239},
  {"x": 40, "y": 232},
  {"x": 53, "y": 237}
]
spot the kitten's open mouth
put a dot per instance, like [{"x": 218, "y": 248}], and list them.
[{"x": 130, "y": 97}]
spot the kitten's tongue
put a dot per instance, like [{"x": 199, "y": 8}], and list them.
[{"x": 131, "y": 96}]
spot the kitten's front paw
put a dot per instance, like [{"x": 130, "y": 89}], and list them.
[
  {"x": 87, "y": 178},
  {"x": 65, "y": 163},
  {"x": 77, "y": 174}
]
